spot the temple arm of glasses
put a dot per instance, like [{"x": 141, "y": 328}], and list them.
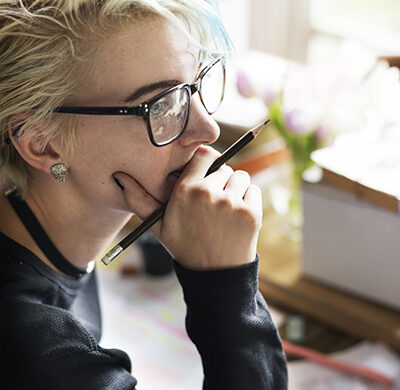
[{"x": 140, "y": 110}]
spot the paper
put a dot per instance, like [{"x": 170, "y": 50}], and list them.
[
  {"x": 307, "y": 375},
  {"x": 145, "y": 317}
]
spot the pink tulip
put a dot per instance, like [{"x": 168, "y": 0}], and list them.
[
  {"x": 297, "y": 122},
  {"x": 243, "y": 85},
  {"x": 269, "y": 96}
]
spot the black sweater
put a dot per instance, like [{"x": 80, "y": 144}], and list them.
[{"x": 50, "y": 328}]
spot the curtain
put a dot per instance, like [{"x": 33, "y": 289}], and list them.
[{"x": 280, "y": 27}]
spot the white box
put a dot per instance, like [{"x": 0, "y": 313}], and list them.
[{"x": 351, "y": 244}]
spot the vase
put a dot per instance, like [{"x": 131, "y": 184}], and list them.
[
  {"x": 286, "y": 195},
  {"x": 295, "y": 210},
  {"x": 285, "y": 198}
]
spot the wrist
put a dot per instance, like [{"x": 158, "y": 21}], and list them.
[{"x": 221, "y": 292}]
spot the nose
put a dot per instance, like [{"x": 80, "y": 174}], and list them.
[{"x": 201, "y": 128}]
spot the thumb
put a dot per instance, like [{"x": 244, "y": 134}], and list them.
[{"x": 137, "y": 198}]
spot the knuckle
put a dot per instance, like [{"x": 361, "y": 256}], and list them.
[
  {"x": 227, "y": 168},
  {"x": 243, "y": 173},
  {"x": 200, "y": 192},
  {"x": 181, "y": 191},
  {"x": 243, "y": 212},
  {"x": 193, "y": 192},
  {"x": 225, "y": 202},
  {"x": 255, "y": 188},
  {"x": 256, "y": 192},
  {"x": 249, "y": 218}
]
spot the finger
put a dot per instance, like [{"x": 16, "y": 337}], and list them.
[
  {"x": 199, "y": 164},
  {"x": 238, "y": 183},
  {"x": 253, "y": 199},
  {"x": 219, "y": 178},
  {"x": 138, "y": 199}
]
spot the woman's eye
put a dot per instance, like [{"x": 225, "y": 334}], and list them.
[{"x": 157, "y": 108}]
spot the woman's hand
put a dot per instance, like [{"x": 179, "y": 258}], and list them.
[{"x": 210, "y": 222}]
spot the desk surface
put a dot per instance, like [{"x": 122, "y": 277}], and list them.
[{"x": 282, "y": 285}]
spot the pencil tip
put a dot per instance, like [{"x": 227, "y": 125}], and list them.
[{"x": 258, "y": 129}]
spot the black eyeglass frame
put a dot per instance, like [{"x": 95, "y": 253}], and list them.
[{"x": 143, "y": 109}]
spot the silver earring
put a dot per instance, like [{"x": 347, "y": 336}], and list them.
[{"x": 59, "y": 171}]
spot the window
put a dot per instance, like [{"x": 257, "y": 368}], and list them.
[
  {"x": 374, "y": 23},
  {"x": 312, "y": 30},
  {"x": 236, "y": 17}
]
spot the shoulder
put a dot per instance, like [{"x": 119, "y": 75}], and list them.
[
  {"x": 34, "y": 319},
  {"x": 30, "y": 325},
  {"x": 44, "y": 345},
  {"x": 47, "y": 347}
]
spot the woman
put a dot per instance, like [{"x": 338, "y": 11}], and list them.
[{"x": 104, "y": 112}]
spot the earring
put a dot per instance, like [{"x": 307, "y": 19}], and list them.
[{"x": 59, "y": 171}]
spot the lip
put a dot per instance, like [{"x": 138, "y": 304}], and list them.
[{"x": 178, "y": 171}]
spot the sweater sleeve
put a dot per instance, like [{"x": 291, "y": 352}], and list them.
[{"x": 228, "y": 321}]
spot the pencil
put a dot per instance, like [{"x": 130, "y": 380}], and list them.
[
  {"x": 159, "y": 213},
  {"x": 317, "y": 357}
]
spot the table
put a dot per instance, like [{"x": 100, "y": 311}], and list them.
[{"x": 335, "y": 320}]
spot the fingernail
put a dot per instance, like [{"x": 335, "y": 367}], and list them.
[{"x": 118, "y": 183}]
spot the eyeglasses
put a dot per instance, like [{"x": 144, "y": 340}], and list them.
[{"x": 167, "y": 114}]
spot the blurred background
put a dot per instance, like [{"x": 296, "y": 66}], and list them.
[{"x": 311, "y": 31}]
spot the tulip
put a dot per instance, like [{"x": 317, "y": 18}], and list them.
[
  {"x": 297, "y": 121},
  {"x": 244, "y": 85}
]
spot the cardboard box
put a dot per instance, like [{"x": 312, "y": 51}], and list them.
[
  {"x": 351, "y": 244},
  {"x": 351, "y": 233},
  {"x": 361, "y": 192}
]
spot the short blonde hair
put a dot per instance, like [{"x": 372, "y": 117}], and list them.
[{"x": 45, "y": 49}]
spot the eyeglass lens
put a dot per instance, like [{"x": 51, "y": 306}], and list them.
[
  {"x": 212, "y": 87},
  {"x": 169, "y": 114}
]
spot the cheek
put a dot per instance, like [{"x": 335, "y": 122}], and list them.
[
  {"x": 98, "y": 151},
  {"x": 106, "y": 142},
  {"x": 103, "y": 150},
  {"x": 150, "y": 170}
]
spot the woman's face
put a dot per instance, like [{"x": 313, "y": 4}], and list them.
[{"x": 153, "y": 51}]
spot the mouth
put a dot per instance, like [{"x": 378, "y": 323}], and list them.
[{"x": 177, "y": 173}]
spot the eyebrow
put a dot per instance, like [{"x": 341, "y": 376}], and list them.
[{"x": 151, "y": 88}]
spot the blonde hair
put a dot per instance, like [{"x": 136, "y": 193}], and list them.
[{"x": 45, "y": 51}]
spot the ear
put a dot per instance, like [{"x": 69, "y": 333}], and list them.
[{"x": 30, "y": 145}]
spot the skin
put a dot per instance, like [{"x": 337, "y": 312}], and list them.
[{"x": 210, "y": 223}]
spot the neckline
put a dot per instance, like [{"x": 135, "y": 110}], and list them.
[
  {"x": 20, "y": 254},
  {"x": 41, "y": 238}
]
